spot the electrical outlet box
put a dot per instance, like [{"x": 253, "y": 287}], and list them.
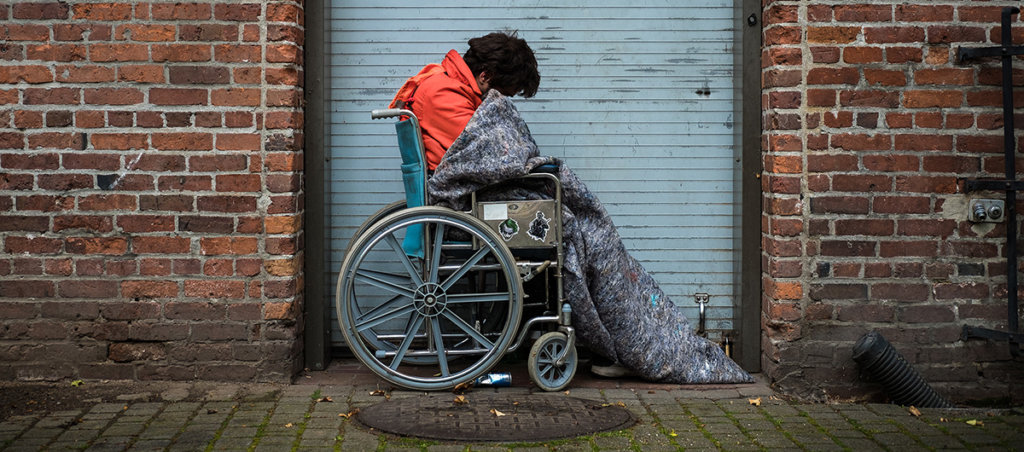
[{"x": 986, "y": 210}]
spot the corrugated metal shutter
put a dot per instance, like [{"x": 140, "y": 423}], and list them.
[{"x": 637, "y": 97}]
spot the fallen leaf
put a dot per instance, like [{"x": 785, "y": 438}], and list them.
[
  {"x": 324, "y": 399},
  {"x": 349, "y": 414},
  {"x": 288, "y": 425},
  {"x": 497, "y": 413},
  {"x": 76, "y": 383},
  {"x": 755, "y": 402},
  {"x": 975, "y": 422},
  {"x": 913, "y": 410},
  {"x": 566, "y": 392},
  {"x": 673, "y": 433},
  {"x": 460, "y": 400},
  {"x": 462, "y": 388}
]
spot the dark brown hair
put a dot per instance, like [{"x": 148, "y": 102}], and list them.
[{"x": 508, "y": 61}]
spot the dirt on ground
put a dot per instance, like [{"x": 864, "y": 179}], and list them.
[{"x": 27, "y": 398}]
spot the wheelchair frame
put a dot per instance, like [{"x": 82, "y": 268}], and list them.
[{"x": 466, "y": 296}]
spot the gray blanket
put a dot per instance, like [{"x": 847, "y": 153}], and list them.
[{"x": 618, "y": 309}]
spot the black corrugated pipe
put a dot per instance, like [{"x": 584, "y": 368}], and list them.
[{"x": 901, "y": 382}]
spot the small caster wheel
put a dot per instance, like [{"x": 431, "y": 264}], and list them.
[{"x": 543, "y": 370}]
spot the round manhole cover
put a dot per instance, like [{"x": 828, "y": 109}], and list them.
[{"x": 494, "y": 417}]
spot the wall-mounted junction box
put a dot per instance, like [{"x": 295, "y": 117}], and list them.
[{"x": 986, "y": 210}]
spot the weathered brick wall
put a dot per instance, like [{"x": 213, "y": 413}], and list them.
[
  {"x": 150, "y": 189},
  {"x": 869, "y": 123}
]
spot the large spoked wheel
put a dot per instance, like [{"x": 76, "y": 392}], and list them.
[
  {"x": 434, "y": 322},
  {"x": 544, "y": 369}
]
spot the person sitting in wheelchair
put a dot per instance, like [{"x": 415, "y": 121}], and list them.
[{"x": 623, "y": 317}]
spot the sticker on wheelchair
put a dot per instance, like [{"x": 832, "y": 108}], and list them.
[
  {"x": 508, "y": 229},
  {"x": 539, "y": 227}
]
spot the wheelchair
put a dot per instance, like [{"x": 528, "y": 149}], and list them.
[{"x": 430, "y": 298}]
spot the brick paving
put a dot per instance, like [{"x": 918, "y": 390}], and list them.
[{"x": 311, "y": 415}]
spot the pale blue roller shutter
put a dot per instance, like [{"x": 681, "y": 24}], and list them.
[{"x": 637, "y": 97}]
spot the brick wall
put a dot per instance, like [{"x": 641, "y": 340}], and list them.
[
  {"x": 869, "y": 124},
  {"x": 150, "y": 190}
]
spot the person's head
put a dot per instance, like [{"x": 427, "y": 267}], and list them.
[{"x": 503, "y": 62}]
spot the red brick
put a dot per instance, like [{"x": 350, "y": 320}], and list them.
[
  {"x": 866, "y": 313},
  {"x": 183, "y": 141},
  {"x": 25, "y": 32},
  {"x": 28, "y": 74},
  {"x": 239, "y": 142},
  {"x": 901, "y": 204},
  {"x": 65, "y": 182},
  {"x": 926, "y": 13},
  {"x": 43, "y": 96},
  {"x": 24, "y": 289},
  {"x": 833, "y": 35},
  {"x": 283, "y": 53},
  {"x": 83, "y": 288},
  {"x": 902, "y": 55},
  {"x": 96, "y": 245},
  {"x": 833, "y": 76},
  {"x": 146, "y": 223},
  {"x": 32, "y": 245},
  {"x": 907, "y": 248},
  {"x": 181, "y": 11},
  {"x": 145, "y": 32},
  {"x": 55, "y": 52},
  {"x": 228, "y": 245},
  {"x": 218, "y": 163},
  {"x": 150, "y": 288},
  {"x": 235, "y": 53},
  {"x": 245, "y": 12},
  {"x": 944, "y": 76},
  {"x": 102, "y": 11},
  {"x": 890, "y": 35},
  {"x": 107, "y": 202},
  {"x": 293, "y": 13},
  {"x": 40, "y": 11},
  {"x": 864, "y": 227},
  {"x": 120, "y": 141},
  {"x": 861, "y": 182},
  {"x": 862, "y": 55},
  {"x": 181, "y": 53},
  {"x": 208, "y": 32},
  {"x": 922, "y": 142},
  {"x": 174, "y": 96},
  {"x": 862, "y": 13},
  {"x": 869, "y": 98},
  {"x": 235, "y": 97},
  {"x": 36, "y": 161},
  {"x": 101, "y": 53},
  {"x": 239, "y": 183},
  {"x": 161, "y": 245},
  {"x": 899, "y": 291},
  {"x": 215, "y": 289},
  {"x": 56, "y": 140},
  {"x": 926, "y": 184},
  {"x": 891, "y": 162},
  {"x": 953, "y": 34},
  {"x": 91, "y": 223},
  {"x": 861, "y": 142}
]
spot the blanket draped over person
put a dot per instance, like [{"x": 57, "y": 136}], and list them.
[{"x": 618, "y": 309}]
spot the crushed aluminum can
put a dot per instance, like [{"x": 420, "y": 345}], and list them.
[{"x": 495, "y": 379}]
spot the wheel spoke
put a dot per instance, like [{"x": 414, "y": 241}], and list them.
[
  {"x": 414, "y": 325},
  {"x": 547, "y": 369},
  {"x": 479, "y": 297},
  {"x": 465, "y": 327},
  {"x": 448, "y": 283},
  {"x": 387, "y": 281},
  {"x": 370, "y": 323},
  {"x": 381, "y": 309},
  {"x": 435, "y": 254},
  {"x": 404, "y": 258},
  {"x": 442, "y": 359}
]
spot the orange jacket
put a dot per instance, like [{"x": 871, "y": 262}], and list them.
[{"x": 444, "y": 102}]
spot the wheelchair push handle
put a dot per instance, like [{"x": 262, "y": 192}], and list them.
[{"x": 390, "y": 113}]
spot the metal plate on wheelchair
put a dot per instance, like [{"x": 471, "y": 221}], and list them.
[
  {"x": 523, "y": 224},
  {"x": 494, "y": 417}
]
